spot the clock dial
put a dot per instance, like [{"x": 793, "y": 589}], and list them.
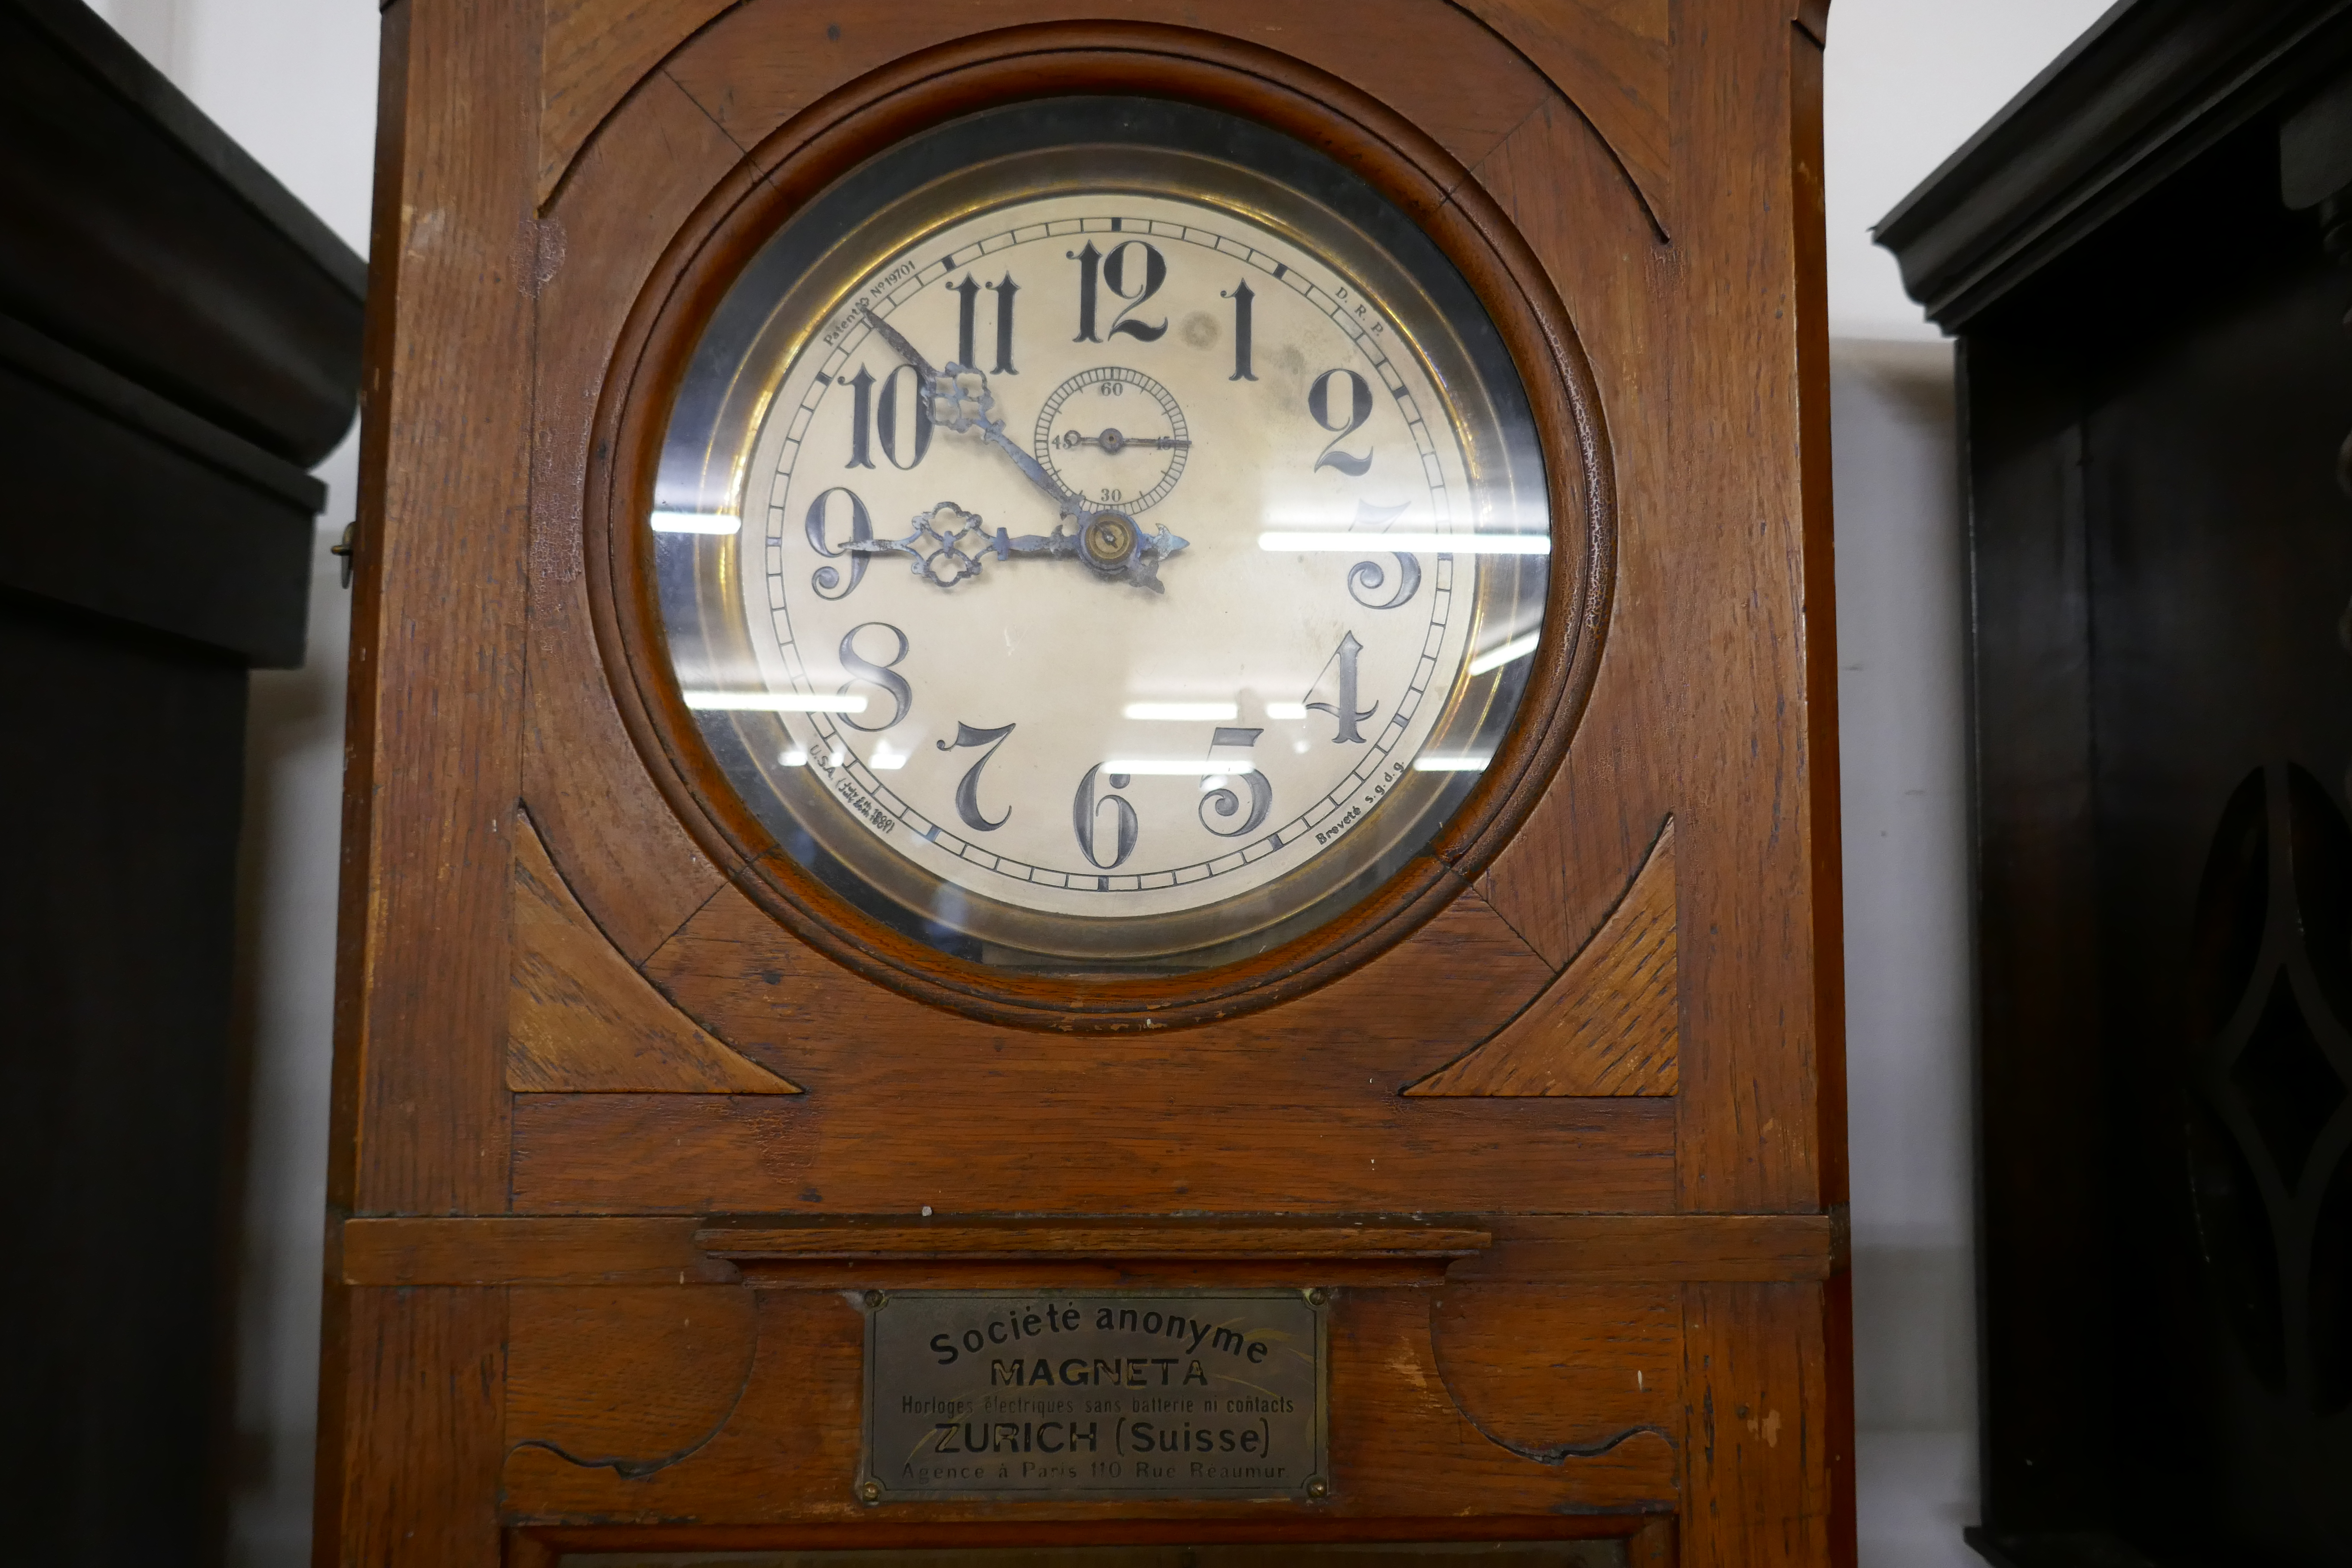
[{"x": 1105, "y": 553}]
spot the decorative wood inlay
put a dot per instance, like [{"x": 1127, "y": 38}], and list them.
[
  {"x": 592, "y": 54},
  {"x": 630, "y": 1380},
  {"x": 1612, "y": 59},
  {"x": 580, "y": 1020},
  {"x": 1553, "y": 1373},
  {"x": 1608, "y": 1026},
  {"x": 1396, "y": 1434}
]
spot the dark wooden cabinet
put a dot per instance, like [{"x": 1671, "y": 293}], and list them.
[
  {"x": 179, "y": 341},
  {"x": 2157, "y": 383}
]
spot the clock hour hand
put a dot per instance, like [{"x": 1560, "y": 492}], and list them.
[
  {"x": 962, "y": 401},
  {"x": 950, "y": 544}
]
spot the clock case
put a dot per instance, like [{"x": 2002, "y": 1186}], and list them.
[
  {"x": 617, "y": 1127},
  {"x": 773, "y": 218},
  {"x": 812, "y": 844}
]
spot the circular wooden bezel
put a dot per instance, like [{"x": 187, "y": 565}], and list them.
[{"x": 805, "y": 156}]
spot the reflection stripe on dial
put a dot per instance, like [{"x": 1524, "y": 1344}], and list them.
[{"x": 857, "y": 785}]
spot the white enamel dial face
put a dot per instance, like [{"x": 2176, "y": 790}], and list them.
[{"x": 1281, "y": 627}]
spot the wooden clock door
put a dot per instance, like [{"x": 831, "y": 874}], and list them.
[{"x": 662, "y": 1187}]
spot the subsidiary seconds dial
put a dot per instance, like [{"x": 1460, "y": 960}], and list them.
[
  {"x": 1115, "y": 437},
  {"x": 921, "y": 625}
]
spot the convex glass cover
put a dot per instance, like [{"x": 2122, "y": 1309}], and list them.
[{"x": 1101, "y": 533}]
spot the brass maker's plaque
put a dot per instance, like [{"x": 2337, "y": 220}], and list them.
[{"x": 1009, "y": 1395}]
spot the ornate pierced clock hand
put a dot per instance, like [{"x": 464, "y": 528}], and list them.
[
  {"x": 1109, "y": 542},
  {"x": 950, "y": 544},
  {"x": 962, "y": 401}
]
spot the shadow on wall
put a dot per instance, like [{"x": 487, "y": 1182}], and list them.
[{"x": 1902, "y": 726}]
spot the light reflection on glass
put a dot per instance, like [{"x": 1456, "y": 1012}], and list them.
[
  {"x": 696, "y": 523},
  {"x": 1450, "y": 764},
  {"x": 1517, "y": 647},
  {"x": 1174, "y": 768},
  {"x": 1437, "y": 543},
  {"x": 772, "y": 702},
  {"x": 1183, "y": 712}
]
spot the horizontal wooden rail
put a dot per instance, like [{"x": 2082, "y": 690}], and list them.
[
  {"x": 743, "y": 1237},
  {"x": 662, "y": 1249}
]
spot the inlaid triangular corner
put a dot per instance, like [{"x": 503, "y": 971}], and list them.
[
  {"x": 592, "y": 55},
  {"x": 1609, "y": 1025},
  {"x": 1614, "y": 60},
  {"x": 581, "y": 1020}
]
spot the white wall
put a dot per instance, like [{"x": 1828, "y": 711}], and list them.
[{"x": 1907, "y": 81}]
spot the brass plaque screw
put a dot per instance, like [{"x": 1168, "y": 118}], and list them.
[
  {"x": 1317, "y": 1296},
  {"x": 873, "y": 1299},
  {"x": 872, "y": 1492},
  {"x": 1318, "y": 1487}
]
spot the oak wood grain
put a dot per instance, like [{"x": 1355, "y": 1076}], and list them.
[
  {"x": 1608, "y": 57},
  {"x": 1608, "y": 1026},
  {"x": 1619, "y": 779},
  {"x": 1662, "y": 1246},
  {"x": 410, "y": 1427},
  {"x": 420, "y": 1119},
  {"x": 1548, "y": 1371},
  {"x": 738, "y": 1237},
  {"x": 616, "y": 840},
  {"x": 1242, "y": 1538},
  {"x": 521, "y": 1249},
  {"x": 581, "y": 1020},
  {"x": 1756, "y": 830},
  {"x": 1453, "y": 982},
  {"x": 1822, "y": 1070},
  {"x": 668, "y": 1366},
  {"x": 1612, "y": 60},
  {"x": 594, "y": 53},
  {"x": 1398, "y": 1444},
  {"x": 645, "y": 1249},
  {"x": 1653, "y": 1544},
  {"x": 765, "y": 62},
  {"x": 1767, "y": 1434},
  {"x": 713, "y": 1153}
]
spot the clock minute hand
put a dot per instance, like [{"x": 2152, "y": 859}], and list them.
[
  {"x": 1111, "y": 544},
  {"x": 962, "y": 401}
]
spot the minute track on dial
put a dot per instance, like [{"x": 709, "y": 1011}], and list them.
[{"x": 1108, "y": 542}]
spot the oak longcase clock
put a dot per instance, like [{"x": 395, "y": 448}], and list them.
[{"x": 1089, "y": 805}]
